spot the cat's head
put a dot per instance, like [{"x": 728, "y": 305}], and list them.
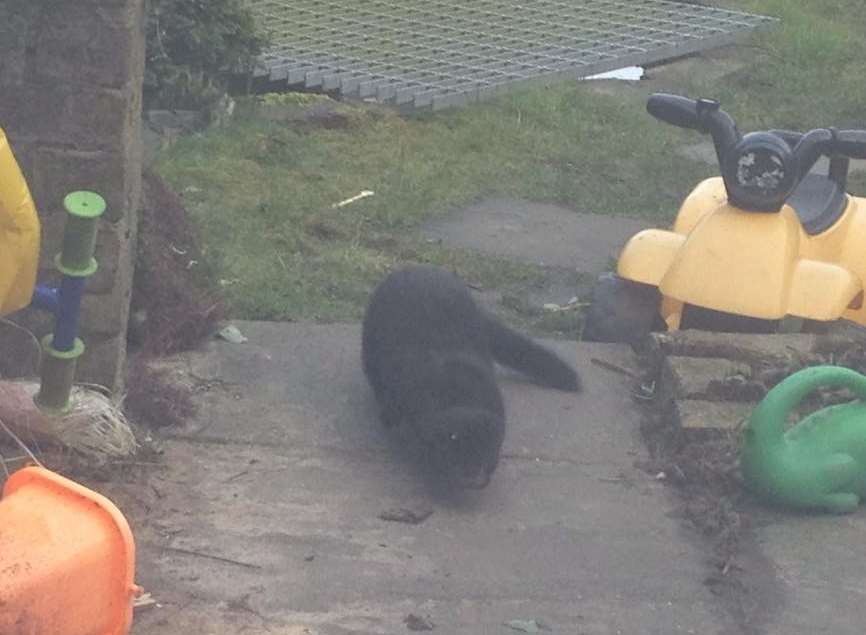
[{"x": 463, "y": 444}]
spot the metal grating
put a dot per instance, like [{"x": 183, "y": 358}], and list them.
[{"x": 441, "y": 53}]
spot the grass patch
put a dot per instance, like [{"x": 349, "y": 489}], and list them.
[{"x": 262, "y": 188}]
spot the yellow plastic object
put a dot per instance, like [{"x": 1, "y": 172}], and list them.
[
  {"x": 759, "y": 265},
  {"x": 19, "y": 234},
  {"x": 67, "y": 559}
]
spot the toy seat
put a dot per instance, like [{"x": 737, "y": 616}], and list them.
[
  {"x": 19, "y": 234},
  {"x": 819, "y": 202}
]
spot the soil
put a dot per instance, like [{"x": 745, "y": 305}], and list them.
[{"x": 173, "y": 306}]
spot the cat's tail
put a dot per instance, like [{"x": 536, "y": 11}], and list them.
[{"x": 519, "y": 352}]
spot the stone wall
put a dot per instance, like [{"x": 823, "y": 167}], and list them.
[{"x": 70, "y": 102}]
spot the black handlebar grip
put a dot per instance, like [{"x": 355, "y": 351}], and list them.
[
  {"x": 675, "y": 110},
  {"x": 851, "y": 143},
  {"x": 788, "y": 136}
]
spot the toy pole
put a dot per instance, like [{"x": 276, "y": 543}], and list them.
[{"x": 76, "y": 262}]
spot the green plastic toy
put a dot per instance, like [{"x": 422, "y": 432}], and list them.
[{"x": 819, "y": 463}]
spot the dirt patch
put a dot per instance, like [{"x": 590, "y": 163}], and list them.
[
  {"x": 154, "y": 398},
  {"x": 174, "y": 306},
  {"x": 705, "y": 475}
]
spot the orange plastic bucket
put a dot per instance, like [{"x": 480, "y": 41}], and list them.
[{"x": 67, "y": 559}]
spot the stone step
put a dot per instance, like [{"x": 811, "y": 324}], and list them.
[
  {"x": 710, "y": 382},
  {"x": 699, "y": 418}
]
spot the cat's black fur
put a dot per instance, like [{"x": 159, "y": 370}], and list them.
[{"x": 428, "y": 353}]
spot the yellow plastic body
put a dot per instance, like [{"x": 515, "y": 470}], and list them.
[
  {"x": 762, "y": 265},
  {"x": 67, "y": 559},
  {"x": 19, "y": 234}
]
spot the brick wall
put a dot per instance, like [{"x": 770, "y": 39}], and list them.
[{"x": 70, "y": 101}]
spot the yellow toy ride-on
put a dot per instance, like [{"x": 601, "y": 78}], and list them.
[{"x": 766, "y": 240}]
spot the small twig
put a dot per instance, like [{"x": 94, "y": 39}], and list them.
[
  {"x": 613, "y": 367},
  {"x": 610, "y": 479},
  {"x": 236, "y": 476},
  {"x": 190, "y": 552}
]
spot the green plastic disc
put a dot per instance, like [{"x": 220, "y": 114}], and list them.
[
  {"x": 76, "y": 272},
  {"x": 84, "y": 204},
  {"x": 48, "y": 349}
]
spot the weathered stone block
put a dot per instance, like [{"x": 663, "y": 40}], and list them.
[
  {"x": 103, "y": 361},
  {"x": 16, "y": 20},
  {"x": 12, "y": 63},
  {"x": 106, "y": 313},
  {"x": 745, "y": 347},
  {"x": 31, "y": 109},
  {"x": 695, "y": 377},
  {"x": 697, "y": 417},
  {"x": 97, "y": 118},
  {"x": 56, "y": 172},
  {"x": 23, "y": 149},
  {"x": 76, "y": 44},
  {"x": 115, "y": 253},
  {"x": 82, "y": 117}
]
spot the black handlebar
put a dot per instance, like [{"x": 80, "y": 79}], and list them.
[
  {"x": 851, "y": 143},
  {"x": 702, "y": 114},
  {"x": 705, "y": 116},
  {"x": 788, "y": 136},
  {"x": 675, "y": 110}
]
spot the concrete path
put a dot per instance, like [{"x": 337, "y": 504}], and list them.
[
  {"x": 543, "y": 234},
  {"x": 819, "y": 563},
  {"x": 263, "y": 516}
]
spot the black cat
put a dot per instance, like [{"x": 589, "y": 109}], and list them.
[{"x": 428, "y": 353}]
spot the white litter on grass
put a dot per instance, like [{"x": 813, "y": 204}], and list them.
[
  {"x": 232, "y": 334},
  {"x": 353, "y": 199},
  {"x": 628, "y": 73}
]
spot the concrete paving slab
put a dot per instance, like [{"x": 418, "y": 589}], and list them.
[
  {"x": 263, "y": 517},
  {"x": 539, "y": 233},
  {"x": 819, "y": 562}
]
